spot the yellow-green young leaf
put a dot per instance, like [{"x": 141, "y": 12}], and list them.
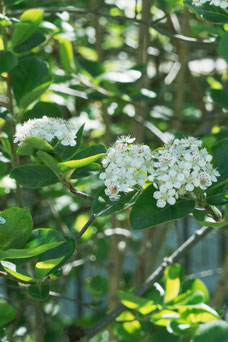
[
  {"x": 200, "y": 313},
  {"x": 43, "y": 267},
  {"x": 49, "y": 161},
  {"x": 69, "y": 166},
  {"x": 29, "y": 22},
  {"x": 164, "y": 317},
  {"x": 172, "y": 282},
  {"x": 66, "y": 54},
  {"x": 17, "y": 272},
  {"x": 142, "y": 305}
]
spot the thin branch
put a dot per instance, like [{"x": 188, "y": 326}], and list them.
[
  {"x": 9, "y": 277},
  {"x": 86, "y": 226},
  {"x": 155, "y": 276},
  {"x": 80, "y": 11},
  {"x": 76, "y": 192}
]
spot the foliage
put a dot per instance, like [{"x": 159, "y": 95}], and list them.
[{"x": 78, "y": 64}]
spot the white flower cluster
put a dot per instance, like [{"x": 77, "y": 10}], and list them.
[
  {"x": 175, "y": 170},
  {"x": 219, "y": 3},
  {"x": 179, "y": 168},
  {"x": 126, "y": 165},
  {"x": 47, "y": 129}
]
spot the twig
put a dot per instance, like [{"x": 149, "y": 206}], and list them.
[
  {"x": 76, "y": 192},
  {"x": 155, "y": 276},
  {"x": 120, "y": 18},
  {"x": 86, "y": 226}
]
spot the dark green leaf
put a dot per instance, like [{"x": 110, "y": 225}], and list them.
[
  {"x": 86, "y": 171},
  {"x": 221, "y": 158},
  {"x": 34, "y": 40},
  {"x": 215, "y": 331},
  {"x": 30, "y": 79},
  {"x": 220, "y": 97},
  {"x": 90, "y": 151},
  {"x": 179, "y": 328},
  {"x": 33, "y": 176},
  {"x": 32, "y": 145},
  {"x": 15, "y": 232},
  {"x": 209, "y": 12},
  {"x": 7, "y": 313},
  {"x": 7, "y": 61},
  {"x": 39, "y": 292},
  {"x": 93, "y": 68},
  {"x": 145, "y": 212},
  {"x": 196, "y": 285},
  {"x": 204, "y": 219},
  {"x": 218, "y": 194},
  {"x": 103, "y": 206},
  {"x": 223, "y": 49},
  {"x": 98, "y": 286},
  {"x": 40, "y": 109}
]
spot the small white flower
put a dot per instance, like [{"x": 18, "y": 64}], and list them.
[{"x": 2, "y": 220}]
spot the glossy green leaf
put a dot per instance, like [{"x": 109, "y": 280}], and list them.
[
  {"x": 33, "y": 176},
  {"x": 17, "y": 272},
  {"x": 7, "y": 61},
  {"x": 86, "y": 171},
  {"x": 172, "y": 282},
  {"x": 28, "y": 253},
  {"x": 142, "y": 305},
  {"x": 199, "y": 313},
  {"x": 103, "y": 206},
  {"x": 204, "y": 219},
  {"x": 30, "y": 43},
  {"x": 189, "y": 298},
  {"x": 211, "y": 332},
  {"x": 146, "y": 214},
  {"x": 39, "y": 292},
  {"x": 29, "y": 22},
  {"x": 49, "y": 161},
  {"x": 16, "y": 230},
  {"x": 90, "y": 151},
  {"x": 218, "y": 194},
  {"x": 163, "y": 317},
  {"x": 7, "y": 313},
  {"x": 49, "y": 109},
  {"x": 220, "y": 154},
  {"x": 209, "y": 12},
  {"x": 196, "y": 285},
  {"x": 30, "y": 79},
  {"x": 179, "y": 328},
  {"x": 32, "y": 145}
]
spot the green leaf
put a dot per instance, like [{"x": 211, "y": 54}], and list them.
[
  {"x": 33, "y": 176},
  {"x": 50, "y": 260},
  {"x": 39, "y": 292},
  {"x": 220, "y": 154},
  {"x": 209, "y": 12},
  {"x": 49, "y": 161},
  {"x": 86, "y": 171},
  {"x": 68, "y": 152},
  {"x": 7, "y": 313},
  {"x": 204, "y": 219},
  {"x": 17, "y": 272},
  {"x": 28, "y": 253},
  {"x": 218, "y": 194},
  {"x": 172, "y": 282},
  {"x": 30, "y": 43},
  {"x": 189, "y": 298},
  {"x": 220, "y": 96},
  {"x": 33, "y": 144},
  {"x": 15, "y": 232},
  {"x": 221, "y": 158},
  {"x": 196, "y": 285},
  {"x": 7, "y": 61},
  {"x": 98, "y": 286},
  {"x": 179, "y": 328},
  {"x": 199, "y": 313},
  {"x": 142, "y": 305},
  {"x": 69, "y": 166},
  {"x": 92, "y": 67},
  {"x": 146, "y": 214},
  {"x": 42, "y": 108},
  {"x": 29, "y": 22},
  {"x": 211, "y": 332},
  {"x": 103, "y": 206},
  {"x": 223, "y": 49},
  {"x": 30, "y": 79},
  {"x": 66, "y": 54},
  {"x": 163, "y": 317},
  {"x": 90, "y": 151}
]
